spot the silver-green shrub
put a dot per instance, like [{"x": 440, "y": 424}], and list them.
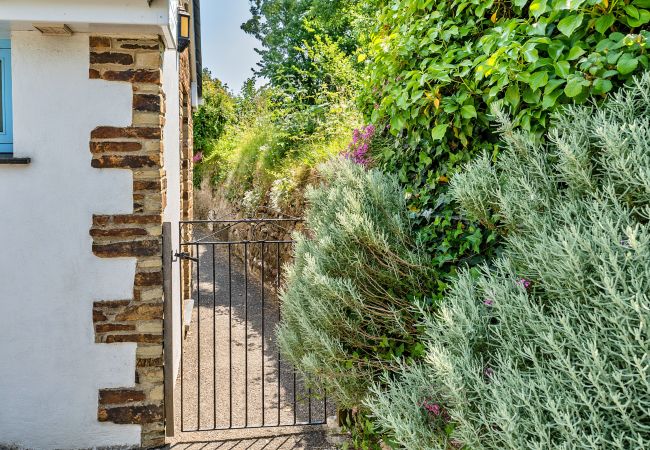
[
  {"x": 549, "y": 347},
  {"x": 349, "y": 293}
]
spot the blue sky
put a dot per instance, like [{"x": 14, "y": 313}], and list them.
[{"x": 227, "y": 51}]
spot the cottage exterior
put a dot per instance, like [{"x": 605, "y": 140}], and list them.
[{"x": 95, "y": 155}]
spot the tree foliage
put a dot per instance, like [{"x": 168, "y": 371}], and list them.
[
  {"x": 213, "y": 116},
  {"x": 548, "y": 346},
  {"x": 286, "y": 28}
]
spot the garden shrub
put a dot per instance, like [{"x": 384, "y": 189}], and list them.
[
  {"x": 547, "y": 347},
  {"x": 346, "y": 308},
  {"x": 435, "y": 67}
]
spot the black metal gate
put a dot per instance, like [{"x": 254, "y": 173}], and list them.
[{"x": 231, "y": 373}]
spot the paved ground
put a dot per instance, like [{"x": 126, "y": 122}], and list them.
[{"x": 229, "y": 371}]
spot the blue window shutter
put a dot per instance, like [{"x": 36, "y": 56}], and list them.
[{"x": 6, "y": 130}]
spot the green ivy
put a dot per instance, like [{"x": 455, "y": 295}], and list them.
[{"x": 435, "y": 68}]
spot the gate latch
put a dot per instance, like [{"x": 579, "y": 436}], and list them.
[{"x": 186, "y": 256}]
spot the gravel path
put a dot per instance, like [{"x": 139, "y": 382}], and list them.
[{"x": 229, "y": 372}]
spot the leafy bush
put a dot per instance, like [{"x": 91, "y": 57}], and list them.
[
  {"x": 346, "y": 308},
  {"x": 213, "y": 116},
  {"x": 435, "y": 67},
  {"x": 548, "y": 347}
]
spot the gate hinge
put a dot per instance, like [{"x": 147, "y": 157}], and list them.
[{"x": 184, "y": 255}]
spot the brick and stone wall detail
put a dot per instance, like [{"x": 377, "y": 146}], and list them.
[
  {"x": 187, "y": 164},
  {"x": 139, "y": 148}
]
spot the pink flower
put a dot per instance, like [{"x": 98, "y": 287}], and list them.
[
  {"x": 198, "y": 157},
  {"x": 488, "y": 302}
]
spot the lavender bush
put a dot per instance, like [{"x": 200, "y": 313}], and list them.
[{"x": 549, "y": 347}]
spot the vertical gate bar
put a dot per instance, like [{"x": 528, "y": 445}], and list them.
[
  {"x": 230, "y": 329},
  {"x": 198, "y": 339},
  {"x": 325, "y": 405},
  {"x": 295, "y": 398},
  {"x": 246, "y": 333},
  {"x": 309, "y": 394},
  {"x": 180, "y": 277},
  {"x": 263, "y": 335},
  {"x": 214, "y": 337},
  {"x": 277, "y": 297},
  {"x": 168, "y": 330}
]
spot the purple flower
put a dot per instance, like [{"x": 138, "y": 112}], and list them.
[
  {"x": 524, "y": 283},
  {"x": 433, "y": 408},
  {"x": 358, "y": 149},
  {"x": 488, "y": 302},
  {"x": 198, "y": 157},
  {"x": 488, "y": 372}
]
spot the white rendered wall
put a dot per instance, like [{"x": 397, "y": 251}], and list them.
[
  {"x": 171, "y": 136},
  {"x": 51, "y": 369}
]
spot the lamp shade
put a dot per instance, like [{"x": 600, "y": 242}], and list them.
[{"x": 183, "y": 30}]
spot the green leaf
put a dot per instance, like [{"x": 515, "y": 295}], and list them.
[
  {"x": 468, "y": 111},
  {"x": 626, "y": 64},
  {"x": 520, "y": 3},
  {"x": 549, "y": 99},
  {"x": 575, "y": 52},
  {"x": 562, "y": 69},
  {"x": 642, "y": 3},
  {"x": 397, "y": 122},
  {"x": 569, "y": 24},
  {"x": 602, "y": 86},
  {"x": 555, "y": 49},
  {"x": 537, "y": 8},
  {"x": 439, "y": 131},
  {"x": 574, "y": 87},
  {"x": 512, "y": 95},
  {"x": 632, "y": 11},
  {"x": 530, "y": 53},
  {"x": 604, "y": 23},
  {"x": 538, "y": 80}
]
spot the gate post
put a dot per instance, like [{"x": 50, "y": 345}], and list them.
[{"x": 168, "y": 331}]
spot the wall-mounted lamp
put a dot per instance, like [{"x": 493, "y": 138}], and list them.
[{"x": 183, "y": 29}]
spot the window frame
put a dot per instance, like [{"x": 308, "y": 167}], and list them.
[{"x": 6, "y": 135}]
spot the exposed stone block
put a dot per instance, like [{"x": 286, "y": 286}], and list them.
[
  {"x": 124, "y": 162},
  {"x": 133, "y": 75},
  {"x": 111, "y": 327},
  {"x": 146, "y": 102},
  {"x": 120, "y": 396},
  {"x": 126, "y": 219},
  {"x": 97, "y": 42},
  {"x": 115, "y": 147},
  {"x": 124, "y": 59},
  {"x": 126, "y": 133},
  {"x": 146, "y": 338},
  {"x": 131, "y": 414},
  {"x": 118, "y": 232},
  {"x": 149, "y": 278},
  {"x": 148, "y": 247},
  {"x": 145, "y": 311},
  {"x": 149, "y": 60},
  {"x": 145, "y": 185}
]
